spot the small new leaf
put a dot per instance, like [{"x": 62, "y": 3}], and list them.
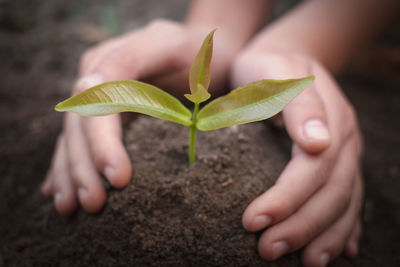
[
  {"x": 120, "y": 96},
  {"x": 253, "y": 102},
  {"x": 200, "y": 68},
  {"x": 199, "y": 96}
]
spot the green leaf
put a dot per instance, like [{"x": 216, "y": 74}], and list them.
[
  {"x": 253, "y": 102},
  {"x": 134, "y": 96},
  {"x": 199, "y": 96},
  {"x": 200, "y": 68}
]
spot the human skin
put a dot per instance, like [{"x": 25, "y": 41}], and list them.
[
  {"x": 316, "y": 201},
  {"x": 319, "y": 193},
  {"x": 160, "y": 53}
]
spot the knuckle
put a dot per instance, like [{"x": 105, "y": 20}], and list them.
[
  {"x": 161, "y": 32},
  {"x": 299, "y": 59},
  {"x": 118, "y": 56},
  {"x": 85, "y": 59},
  {"x": 250, "y": 63},
  {"x": 309, "y": 231},
  {"x": 82, "y": 84},
  {"x": 305, "y": 232},
  {"x": 162, "y": 25}
]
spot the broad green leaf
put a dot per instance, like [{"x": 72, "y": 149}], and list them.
[
  {"x": 199, "y": 96},
  {"x": 121, "y": 96},
  {"x": 200, "y": 68},
  {"x": 253, "y": 102}
]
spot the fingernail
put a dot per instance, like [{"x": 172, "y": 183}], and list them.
[
  {"x": 279, "y": 248},
  {"x": 324, "y": 259},
  {"x": 109, "y": 172},
  {"x": 261, "y": 221},
  {"x": 88, "y": 81},
  {"x": 316, "y": 129},
  {"x": 82, "y": 193},
  {"x": 57, "y": 197},
  {"x": 353, "y": 247}
]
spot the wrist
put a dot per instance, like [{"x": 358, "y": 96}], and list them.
[
  {"x": 237, "y": 20},
  {"x": 224, "y": 38}
]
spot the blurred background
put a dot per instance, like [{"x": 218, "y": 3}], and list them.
[{"x": 40, "y": 45}]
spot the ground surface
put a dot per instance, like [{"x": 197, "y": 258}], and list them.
[{"x": 40, "y": 44}]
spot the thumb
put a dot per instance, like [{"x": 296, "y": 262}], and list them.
[{"x": 306, "y": 121}]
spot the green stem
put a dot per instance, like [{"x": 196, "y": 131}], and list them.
[{"x": 193, "y": 131}]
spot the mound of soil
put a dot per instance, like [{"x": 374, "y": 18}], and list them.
[{"x": 170, "y": 213}]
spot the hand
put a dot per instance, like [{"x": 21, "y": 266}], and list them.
[
  {"x": 316, "y": 201},
  {"x": 90, "y": 147}
]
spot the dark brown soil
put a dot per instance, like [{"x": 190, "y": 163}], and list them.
[{"x": 170, "y": 214}]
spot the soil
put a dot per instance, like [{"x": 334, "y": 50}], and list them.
[{"x": 169, "y": 214}]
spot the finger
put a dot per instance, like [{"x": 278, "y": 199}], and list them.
[
  {"x": 146, "y": 53},
  {"x": 85, "y": 177},
  {"x": 306, "y": 122},
  {"x": 91, "y": 58},
  {"x": 47, "y": 188},
  {"x": 300, "y": 179},
  {"x": 64, "y": 192},
  {"x": 104, "y": 133},
  {"x": 107, "y": 150},
  {"x": 320, "y": 211},
  {"x": 351, "y": 248},
  {"x": 330, "y": 243},
  {"x": 104, "y": 137}
]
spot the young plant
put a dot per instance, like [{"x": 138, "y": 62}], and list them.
[{"x": 252, "y": 102}]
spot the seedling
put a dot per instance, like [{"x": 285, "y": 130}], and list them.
[{"x": 252, "y": 102}]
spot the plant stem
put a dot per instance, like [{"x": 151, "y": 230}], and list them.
[{"x": 193, "y": 131}]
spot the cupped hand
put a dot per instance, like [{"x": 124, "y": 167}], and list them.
[
  {"x": 91, "y": 147},
  {"x": 316, "y": 201}
]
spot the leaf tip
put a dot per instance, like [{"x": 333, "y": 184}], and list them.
[
  {"x": 58, "y": 107},
  {"x": 307, "y": 80},
  {"x": 210, "y": 36}
]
